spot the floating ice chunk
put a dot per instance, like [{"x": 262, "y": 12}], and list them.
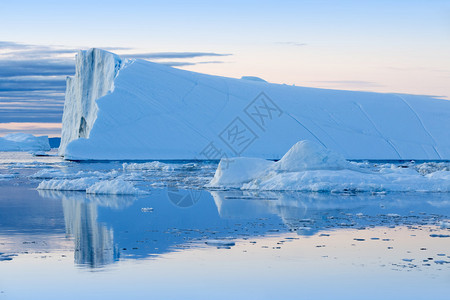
[
  {"x": 154, "y": 165},
  {"x": 220, "y": 243},
  {"x": 158, "y": 166},
  {"x": 80, "y": 184},
  {"x": 147, "y": 209},
  {"x": 24, "y": 142},
  {"x": 92, "y": 185},
  {"x": 408, "y": 259},
  {"x": 431, "y": 167},
  {"x": 393, "y": 215},
  {"x": 434, "y": 235},
  {"x": 114, "y": 187},
  {"x": 445, "y": 225},
  {"x": 6, "y": 257},
  {"x": 62, "y": 174}
]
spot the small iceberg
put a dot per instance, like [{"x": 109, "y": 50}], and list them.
[
  {"x": 309, "y": 166},
  {"x": 92, "y": 185}
]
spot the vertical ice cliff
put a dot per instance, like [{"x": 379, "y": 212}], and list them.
[
  {"x": 94, "y": 78},
  {"x": 151, "y": 111}
]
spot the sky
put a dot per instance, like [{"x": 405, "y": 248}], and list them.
[{"x": 382, "y": 46}]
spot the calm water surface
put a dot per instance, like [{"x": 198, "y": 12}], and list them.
[{"x": 181, "y": 241}]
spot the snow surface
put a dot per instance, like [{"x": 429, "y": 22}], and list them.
[
  {"x": 92, "y": 185},
  {"x": 24, "y": 142},
  {"x": 139, "y": 110},
  {"x": 115, "y": 187},
  {"x": 79, "y": 184},
  {"x": 92, "y": 182},
  {"x": 308, "y": 166}
]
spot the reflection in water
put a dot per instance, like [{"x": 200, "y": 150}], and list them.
[
  {"x": 94, "y": 241},
  {"x": 310, "y": 213},
  {"x": 105, "y": 228}
]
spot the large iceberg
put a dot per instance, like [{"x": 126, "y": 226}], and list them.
[
  {"x": 119, "y": 109},
  {"x": 24, "y": 142}
]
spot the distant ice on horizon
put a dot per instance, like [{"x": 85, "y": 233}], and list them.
[{"x": 24, "y": 142}]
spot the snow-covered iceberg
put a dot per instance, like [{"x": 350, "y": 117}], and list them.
[
  {"x": 139, "y": 110},
  {"x": 24, "y": 142},
  {"x": 308, "y": 166}
]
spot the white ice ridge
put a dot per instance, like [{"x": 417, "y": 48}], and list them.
[
  {"x": 308, "y": 166},
  {"x": 147, "y": 111},
  {"x": 24, "y": 142}
]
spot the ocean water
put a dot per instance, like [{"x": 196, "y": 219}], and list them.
[{"x": 182, "y": 241}]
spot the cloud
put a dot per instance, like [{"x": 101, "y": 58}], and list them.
[
  {"x": 21, "y": 97},
  {"x": 419, "y": 69},
  {"x": 32, "y": 82},
  {"x": 173, "y": 55},
  {"x": 348, "y": 83},
  {"x": 295, "y": 44},
  {"x": 26, "y": 114},
  {"x": 19, "y": 51},
  {"x": 43, "y": 67},
  {"x": 12, "y": 45},
  {"x": 51, "y": 129},
  {"x": 184, "y": 64},
  {"x": 40, "y": 84},
  {"x": 32, "y": 77}
]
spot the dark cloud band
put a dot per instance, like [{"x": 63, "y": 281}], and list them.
[{"x": 32, "y": 78}]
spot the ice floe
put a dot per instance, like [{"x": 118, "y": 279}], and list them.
[
  {"x": 92, "y": 185},
  {"x": 154, "y": 165}
]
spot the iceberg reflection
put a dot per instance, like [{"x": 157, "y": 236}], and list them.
[
  {"x": 106, "y": 228},
  {"x": 93, "y": 240}
]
